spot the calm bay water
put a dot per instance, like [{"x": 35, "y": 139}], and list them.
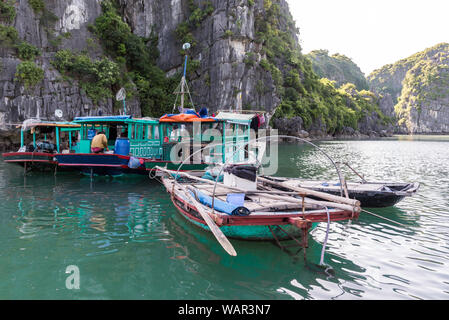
[{"x": 129, "y": 242}]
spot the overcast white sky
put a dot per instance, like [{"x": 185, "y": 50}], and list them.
[{"x": 372, "y": 33}]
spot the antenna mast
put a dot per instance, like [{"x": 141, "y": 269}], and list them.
[{"x": 183, "y": 85}]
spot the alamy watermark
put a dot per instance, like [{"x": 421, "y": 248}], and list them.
[
  {"x": 73, "y": 280},
  {"x": 236, "y": 146}
]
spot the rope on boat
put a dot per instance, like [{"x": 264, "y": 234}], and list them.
[
  {"x": 152, "y": 174},
  {"x": 326, "y": 238},
  {"x": 380, "y": 217}
]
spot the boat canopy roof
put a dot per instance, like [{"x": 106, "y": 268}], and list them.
[
  {"x": 33, "y": 123},
  {"x": 102, "y": 119},
  {"x": 236, "y": 117},
  {"x": 187, "y": 117},
  {"x": 113, "y": 119}
]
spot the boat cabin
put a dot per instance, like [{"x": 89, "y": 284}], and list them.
[
  {"x": 188, "y": 133},
  {"x": 48, "y": 137},
  {"x": 155, "y": 138},
  {"x": 143, "y": 135},
  {"x": 240, "y": 129}
]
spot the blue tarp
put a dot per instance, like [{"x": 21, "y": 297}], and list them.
[
  {"x": 222, "y": 206},
  {"x": 105, "y": 118}
]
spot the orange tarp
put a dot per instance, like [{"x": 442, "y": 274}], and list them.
[{"x": 184, "y": 117}]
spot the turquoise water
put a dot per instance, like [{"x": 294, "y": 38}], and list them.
[{"x": 128, "y": 241}]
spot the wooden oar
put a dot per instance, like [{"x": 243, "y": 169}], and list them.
[{"x": 219, "y": 235}]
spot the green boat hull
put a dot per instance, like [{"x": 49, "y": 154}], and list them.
[{"x": 257, "y": 233}]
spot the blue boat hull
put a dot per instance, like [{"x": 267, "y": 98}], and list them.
[{"x": 100, "y": 164}]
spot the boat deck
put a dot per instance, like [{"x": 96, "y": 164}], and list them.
[{"x": 266, "y": 203}]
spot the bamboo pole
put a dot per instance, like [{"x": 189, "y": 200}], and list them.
[
  {"x": 314, "y": 193},
  {"x": 319, "y": 194},
  {"x": 351, "y": 205},
  {"x": 314, "y": 202}
]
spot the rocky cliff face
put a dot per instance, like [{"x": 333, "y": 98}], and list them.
[
  {"x": 416, "y": 89},
  {"x": 55, "y": 25},
  {"x": 224, "y": 40},
  {"x": 245, "y": 54},
  {"x": 226, "y": 76}
]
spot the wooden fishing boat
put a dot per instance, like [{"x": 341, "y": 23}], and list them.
[
  {"x": 370, "y": 194},
  {"x": 260, "y": 214},
  {"x": 189, "y": 136},
  {"x": 129, "y": 142},
  {"x": 48, "y": 140}
]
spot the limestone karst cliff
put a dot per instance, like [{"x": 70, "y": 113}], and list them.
[
  {"x": 418, "y": 90},
  {"x": 74, "y": 55}
]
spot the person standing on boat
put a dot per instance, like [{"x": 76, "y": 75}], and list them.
[{"x": 99, "y": 143}]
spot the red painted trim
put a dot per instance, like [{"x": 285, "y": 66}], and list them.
[
  {"x": 31, "y": 161},
  {"x": 95, "y": 154},
  {"x": 188, "y": 215},
  {"x": 12, "y": 154},
  {"x": 163, "y": 161}
]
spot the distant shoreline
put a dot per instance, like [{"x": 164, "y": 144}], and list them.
[{"x": 370, "y": 138}]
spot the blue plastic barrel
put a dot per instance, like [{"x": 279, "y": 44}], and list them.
[
  {"x": 122, "y": 146},
  {"x": 91, "y": 133}
]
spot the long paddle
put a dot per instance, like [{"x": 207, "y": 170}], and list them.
[{"x": 219, "y": 235}]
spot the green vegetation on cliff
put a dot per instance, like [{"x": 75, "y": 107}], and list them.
[
  {"x": 96, "y": 77},
  {"x": 7, "y": 11},
  {"x": 130, "y": 62},
  {"x": 337, "y": 67},
  {"x": 197, "y": 16},
  {"x": 37, "y": 5},
  {"x": 29, "y": 74},
  {"x": 419, "y": 84}
]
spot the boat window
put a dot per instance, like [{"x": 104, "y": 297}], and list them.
[
  {"x": 122, "y": 132},
  {"x": 156, "y": 132},
  {"x": 140, "y": 131},
  {"x": 168, "y": 130},
  {"x": 133, "y": 131},
  {"x": 113, "y": 133},
  {"x": 137, "y": 133},
  {"x": 149, "y": 132}
]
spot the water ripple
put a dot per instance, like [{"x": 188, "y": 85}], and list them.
[{"x": 130, "y": 242}]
